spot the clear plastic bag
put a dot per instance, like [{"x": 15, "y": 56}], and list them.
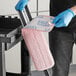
[{"x": 41, "y": 23}]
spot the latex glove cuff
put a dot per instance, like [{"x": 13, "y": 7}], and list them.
[{"x": 71, "y": 12}]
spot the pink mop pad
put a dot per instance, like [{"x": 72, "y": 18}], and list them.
[{"x": 38, "y": 49}]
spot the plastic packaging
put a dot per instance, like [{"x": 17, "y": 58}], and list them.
[{"x": 41, "y": 23}]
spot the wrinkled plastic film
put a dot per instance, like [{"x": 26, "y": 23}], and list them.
[{"x": 41, "y": 23}]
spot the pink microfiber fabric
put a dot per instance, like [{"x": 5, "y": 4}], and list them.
[{"x": 38, "y": 49}]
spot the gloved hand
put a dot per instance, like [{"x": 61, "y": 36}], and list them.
[
  {"x": 64, "y": 18},
  {"x": 21, "y": 5}
]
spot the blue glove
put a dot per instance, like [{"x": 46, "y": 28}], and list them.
[
  {"x": 64, "y": 18},
  {"x": 21, "y": 5}
]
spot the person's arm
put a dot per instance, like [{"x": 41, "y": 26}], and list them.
[
  {"x": 73, "y": 9},
  {"x": 64, "y": 18}
]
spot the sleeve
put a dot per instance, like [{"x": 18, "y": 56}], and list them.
[{"x": 72, "y": 3}]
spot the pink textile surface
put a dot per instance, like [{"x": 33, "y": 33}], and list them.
[{"x": 38, "y": 49}]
